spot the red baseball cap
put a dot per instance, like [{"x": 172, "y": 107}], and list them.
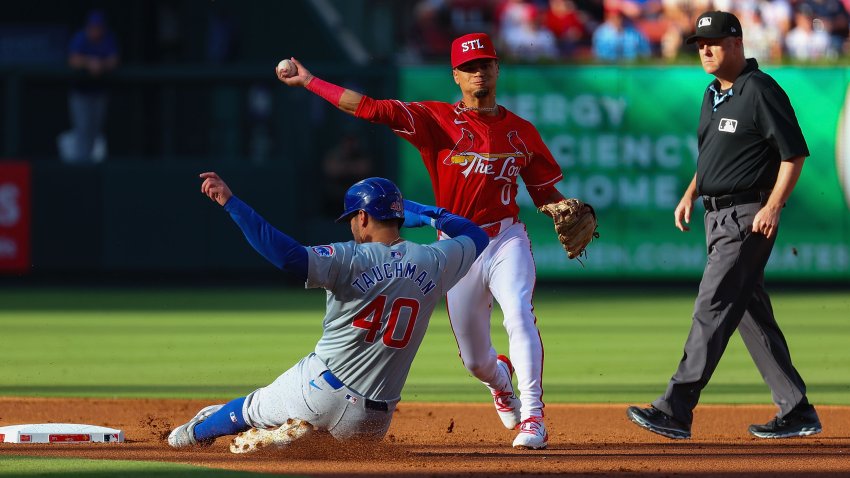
[{"x": 472, "y": 47}]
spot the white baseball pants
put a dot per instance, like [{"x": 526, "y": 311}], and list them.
[{"x": 505, "y": 270}]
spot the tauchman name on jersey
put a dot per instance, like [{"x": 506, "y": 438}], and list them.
[{"x": 395, "y": 270}]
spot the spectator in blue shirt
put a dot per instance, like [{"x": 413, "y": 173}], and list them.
[
  {"x": 93, "y": 53},
  {"x": 616, "y": 39}
]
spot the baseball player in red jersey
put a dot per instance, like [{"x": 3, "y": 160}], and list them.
[{"x": 475, "y": 151}]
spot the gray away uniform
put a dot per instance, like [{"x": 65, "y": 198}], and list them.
[{"x": 379, "y": 303}]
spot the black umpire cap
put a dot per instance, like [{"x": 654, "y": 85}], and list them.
[{"x": 716, "y": 25}]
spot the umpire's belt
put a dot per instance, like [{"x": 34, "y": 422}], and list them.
[
  {"x": 493, "y": 229},
  {"x": 337, "y": 384},
  {"x": 713, "y": 203}
]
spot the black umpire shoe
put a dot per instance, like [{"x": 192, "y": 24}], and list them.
[
  {"x": 801, "y": 421},
  {"x": 658, "y": 422}
]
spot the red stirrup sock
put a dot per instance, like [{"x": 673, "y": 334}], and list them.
[{"x": 330, "y": 92}]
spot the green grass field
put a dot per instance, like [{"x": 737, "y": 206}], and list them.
[
  {"x": 600, "y": 346},
  {"x": 37, "y": 467}
]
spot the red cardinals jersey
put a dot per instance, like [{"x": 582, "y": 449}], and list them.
[{"x": 473, "y": 160}]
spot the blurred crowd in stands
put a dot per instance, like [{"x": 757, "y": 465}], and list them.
[{"x": 615, "y": 31}]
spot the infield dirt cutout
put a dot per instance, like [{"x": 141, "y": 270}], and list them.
[{"x": 448, "y": 439}]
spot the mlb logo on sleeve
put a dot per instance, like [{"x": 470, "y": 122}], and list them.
[
  {"x": 728, "y": 125},
  {"x": 323, "y": 251}
]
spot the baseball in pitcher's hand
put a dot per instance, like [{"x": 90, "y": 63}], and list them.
[
  {"x": 682, "y": 215},
  {"x": 301, "y": 77},
  {"x": 215, "y": 188}
]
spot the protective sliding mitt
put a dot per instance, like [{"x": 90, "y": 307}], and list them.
[{"x": 575, "y": 223}]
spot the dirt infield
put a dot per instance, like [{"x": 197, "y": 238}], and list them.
[{"x": 463, "y": 440}]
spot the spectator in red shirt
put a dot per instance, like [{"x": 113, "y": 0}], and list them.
[{"x": 567, "y": 23}]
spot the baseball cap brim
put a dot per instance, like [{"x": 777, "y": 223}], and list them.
[
  {"x": 483, "y": 56},
  {"x": 693, "y": 38}
]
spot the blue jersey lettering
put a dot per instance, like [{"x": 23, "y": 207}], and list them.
[{"x": 395, "y": 270}]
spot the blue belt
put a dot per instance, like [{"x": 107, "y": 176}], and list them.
[
  {"x": 337, "y": 384},
  {"x": 332, "y": 380}
]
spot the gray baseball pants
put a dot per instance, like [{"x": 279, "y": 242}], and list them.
[
  {"x": 732, "y": 296},
  {"x": 303, "y": 392}
]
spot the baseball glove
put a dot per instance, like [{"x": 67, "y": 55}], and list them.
[{"x": 575, "y": 223}]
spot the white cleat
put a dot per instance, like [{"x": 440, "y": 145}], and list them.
[
  {"x": 506, "y": 402},
  {"x": 184, "y": 435},
  {"x": 532, "y": 435},
  {"x": 256, "y": 439}
]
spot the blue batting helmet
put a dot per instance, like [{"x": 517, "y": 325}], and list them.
[{"x": 379, "y": 197}]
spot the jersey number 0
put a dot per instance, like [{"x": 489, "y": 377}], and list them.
[{"x": 371, "y": 317}]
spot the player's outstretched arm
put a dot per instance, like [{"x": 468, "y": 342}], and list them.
[
  {"x": 281, "y": 250},
  {"x": 399, "y": 116},
  {"x": 417, "y": 215},
  {"x": 344, "y": 99}
]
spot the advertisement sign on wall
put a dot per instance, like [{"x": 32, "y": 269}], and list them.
[
  {"x": 14, "y": 216},
  {"x": 625, "y": 138}
]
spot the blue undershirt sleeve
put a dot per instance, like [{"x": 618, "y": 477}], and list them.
[
  {"x": 454, "y": 226},
  {"x": 417, "y": 215},
  {"x": 281, "y": 250}
]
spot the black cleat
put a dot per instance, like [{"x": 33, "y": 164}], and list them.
[
  {"x": 798, "y": 423},
  {"x": 658, "y": 422}
]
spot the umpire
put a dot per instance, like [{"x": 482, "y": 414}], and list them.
[{"x": 751, "y": 152}]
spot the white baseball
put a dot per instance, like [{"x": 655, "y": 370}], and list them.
[{"x": 287, "y": 68}]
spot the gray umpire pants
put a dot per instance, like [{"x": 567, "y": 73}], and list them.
[{"x": 732, "y": 295}]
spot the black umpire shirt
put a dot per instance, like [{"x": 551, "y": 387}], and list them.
[{"x": 744, "y": 134}]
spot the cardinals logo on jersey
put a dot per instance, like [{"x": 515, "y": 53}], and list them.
[
  {"x": 459, "y": 151},
  {"x": 462, "y": 155},
  {"x": 503, "y": 167},
  {"x": 518, "y": 145}
]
